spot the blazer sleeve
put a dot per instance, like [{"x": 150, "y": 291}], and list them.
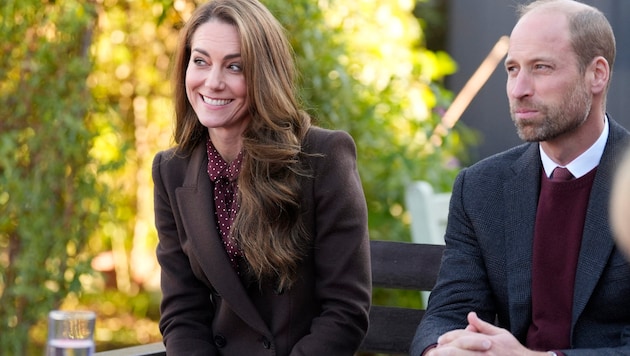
[
  {"x": 462, "y": 284},
  {"x": 341, "y": 248},
  {"x": 186, "y": 306}
]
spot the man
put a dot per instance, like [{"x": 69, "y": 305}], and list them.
[{"x": 530, "y": 266}]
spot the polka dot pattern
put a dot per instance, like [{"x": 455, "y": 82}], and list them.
[{"x": 224, "y": 176}]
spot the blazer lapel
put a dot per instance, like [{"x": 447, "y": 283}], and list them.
[
  {"x": 597, "y": 243},
  {"x": 521, "y": 199},
  {"x": 197, "y": 211}
]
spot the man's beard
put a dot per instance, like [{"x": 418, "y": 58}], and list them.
[{"x": 558, "y": 119}]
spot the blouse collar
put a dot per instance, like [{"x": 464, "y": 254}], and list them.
[{"x": 219, "y": 168}]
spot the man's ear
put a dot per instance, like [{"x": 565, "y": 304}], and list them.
[{"x": 599, "y": 74}]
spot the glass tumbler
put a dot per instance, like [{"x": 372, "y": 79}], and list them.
[{"x": 70, "y": 333}]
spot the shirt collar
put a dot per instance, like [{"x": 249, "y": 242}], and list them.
[
  {"x": 219, "y": 168},
  {"x": 585, "y": 162}
]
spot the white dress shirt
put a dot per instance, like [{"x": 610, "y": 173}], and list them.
[{"x": 585, "y": 162}]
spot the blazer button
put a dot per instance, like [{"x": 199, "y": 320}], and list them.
[
  {"x": 219, "y": 341},
  {"x": 266, "y": 343}
]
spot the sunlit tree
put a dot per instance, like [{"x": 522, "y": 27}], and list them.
[
  {"x": 50, "y": 197},
  {"x": 364, "y": 69}
]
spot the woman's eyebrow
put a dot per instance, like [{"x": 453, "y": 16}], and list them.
[{"x": 227, "y": 56}]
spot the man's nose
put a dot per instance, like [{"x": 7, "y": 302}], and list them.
[{"x": 520, "y": 85}]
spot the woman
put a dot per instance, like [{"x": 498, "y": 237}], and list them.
[
  {"x": 620, "y": 205},
  {"x": 261, "y": 217}
]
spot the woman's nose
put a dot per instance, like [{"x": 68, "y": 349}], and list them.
[{"x": 215, "y": 79}]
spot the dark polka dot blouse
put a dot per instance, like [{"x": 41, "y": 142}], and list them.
[{"x": 224, "y": 175}]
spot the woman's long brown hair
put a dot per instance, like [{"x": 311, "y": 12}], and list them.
[{"x": 267, "y": 227}]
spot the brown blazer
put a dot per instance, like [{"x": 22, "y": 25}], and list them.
[{"x": 206, "y": 310}]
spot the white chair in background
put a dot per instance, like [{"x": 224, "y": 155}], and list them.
[{"x": 429, "y": 214}]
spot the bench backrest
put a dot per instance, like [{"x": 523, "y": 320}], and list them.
[{"x": 399, "y": 265}]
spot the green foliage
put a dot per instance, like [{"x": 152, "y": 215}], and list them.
[
  {"x": 131, "y": 48},
  {"x": 50, "y": 197},
  {"x": 363, "y": 69}
]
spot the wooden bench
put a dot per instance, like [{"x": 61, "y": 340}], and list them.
[
  {"x": 395, "y": 265},
  {"x": 399, "y": 265}
]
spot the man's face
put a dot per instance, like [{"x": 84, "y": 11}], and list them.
[{"x": 547, "y": 93}]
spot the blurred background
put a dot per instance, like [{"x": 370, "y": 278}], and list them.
[{"x": 85, "y": 105}]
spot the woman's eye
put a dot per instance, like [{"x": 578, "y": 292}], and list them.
[{"x": 235, "y": 67}]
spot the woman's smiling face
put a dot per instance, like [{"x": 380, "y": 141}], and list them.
[{"x": 215, "y": 84}]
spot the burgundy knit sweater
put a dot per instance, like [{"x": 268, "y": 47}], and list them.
[{"x": 557, "y": 238}]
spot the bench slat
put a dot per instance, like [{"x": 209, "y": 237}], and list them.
[
  {"x": 154, "y": 349},
  {"x": 402, "y": 265},
  {"x": 391, "y": 329}
]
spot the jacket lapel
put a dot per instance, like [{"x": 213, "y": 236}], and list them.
[
  {"x": 197, "y": 211},
  {"x": 521, "y": 199},
  {"x": 597, "y": 243}
]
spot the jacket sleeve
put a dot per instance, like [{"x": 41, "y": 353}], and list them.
[
  {"x": 462, "y": 284},
  {"x": 341, "y": 245},
  {"x": 186, "y": 308}
]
